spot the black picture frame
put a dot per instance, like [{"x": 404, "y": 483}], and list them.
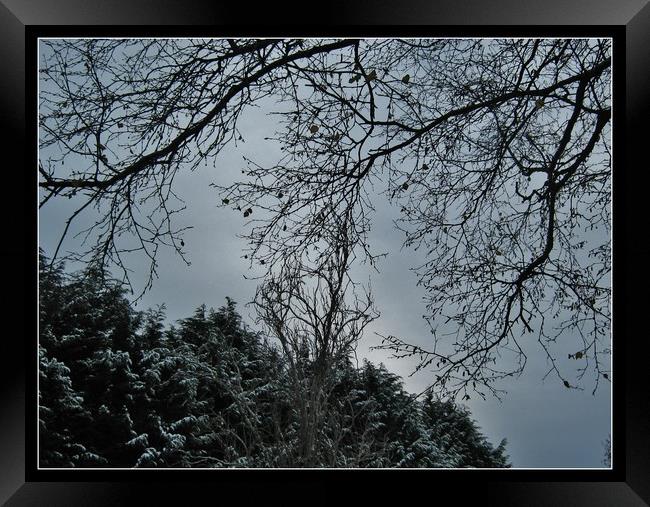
[{"x": 627, "y": 21}]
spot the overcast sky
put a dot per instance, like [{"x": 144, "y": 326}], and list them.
[{"x": 546, "y": 424}]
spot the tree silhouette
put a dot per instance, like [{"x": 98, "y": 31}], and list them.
[
  {"x": 607, "y": 451},
  {"x": 318, "y": 318},
  {"x": 208, "y": 392},
  {"x": 495, "y": 151}
]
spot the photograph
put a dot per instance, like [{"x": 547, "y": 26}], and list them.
[{"x": 325, "y": 253}]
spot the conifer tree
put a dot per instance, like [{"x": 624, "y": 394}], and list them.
[{"x": 119, "y": 388}]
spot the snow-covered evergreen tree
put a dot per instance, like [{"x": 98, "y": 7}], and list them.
[{"x": 118, "y": 388}]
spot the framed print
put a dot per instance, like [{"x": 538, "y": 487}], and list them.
[{"x": 394, "y": 255}]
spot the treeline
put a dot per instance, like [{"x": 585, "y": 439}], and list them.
[{"x": 119, "y": 389}]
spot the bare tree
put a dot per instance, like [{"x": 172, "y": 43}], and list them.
[
  {"x": 318, "y": 317},
  {"x": 120, "y": 118},
  {"x": 495, "y": 151}
]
